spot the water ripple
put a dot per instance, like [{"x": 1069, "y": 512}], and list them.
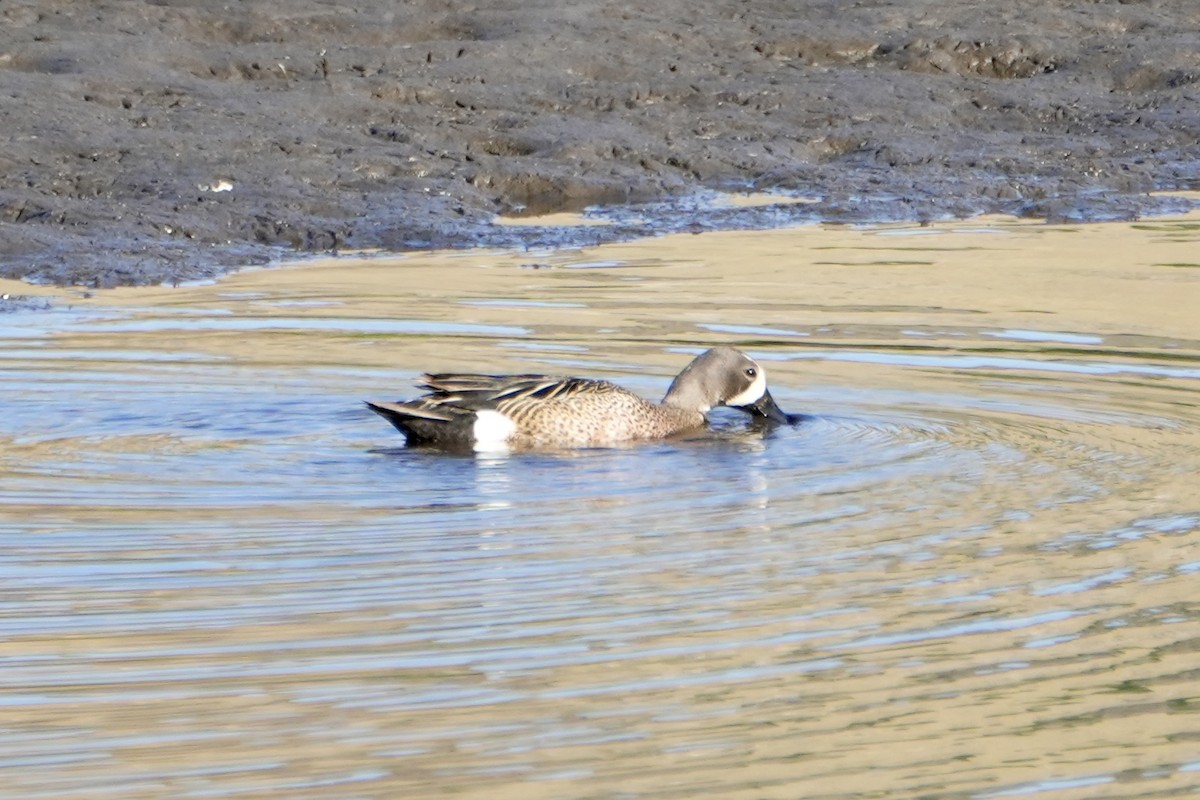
[{"x": 222, "y": 576}]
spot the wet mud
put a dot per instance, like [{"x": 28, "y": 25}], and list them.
[{"x": 169, "y": 140}]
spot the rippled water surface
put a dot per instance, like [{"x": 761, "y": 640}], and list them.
[{"x": 971, "y": 573}]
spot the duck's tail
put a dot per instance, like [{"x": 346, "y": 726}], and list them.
[{"x": 423, "y": 426}]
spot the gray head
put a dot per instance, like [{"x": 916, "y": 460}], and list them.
[{"x": 724, "y": 376}]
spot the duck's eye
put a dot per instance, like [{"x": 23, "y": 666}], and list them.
[{"x": 751, "y": 372}]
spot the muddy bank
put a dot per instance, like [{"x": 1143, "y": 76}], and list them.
[{"x": 174, "y": 139}]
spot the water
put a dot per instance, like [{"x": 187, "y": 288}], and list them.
[{"x": 970, "y": 573}]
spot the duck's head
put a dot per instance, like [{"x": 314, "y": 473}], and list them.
[{"x": 725, "y": 376}]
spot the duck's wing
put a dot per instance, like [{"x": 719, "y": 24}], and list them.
[
  {"x": 452, "y": 382},
  {"x": 479, "y": 392}
]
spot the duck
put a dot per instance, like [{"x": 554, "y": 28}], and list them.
[{"x": 490, "y": 413}]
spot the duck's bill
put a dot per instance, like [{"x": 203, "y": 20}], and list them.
[{"x": 765, "y": 407}]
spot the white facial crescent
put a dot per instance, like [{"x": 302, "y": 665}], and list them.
[{"x": 753, "y": 392}]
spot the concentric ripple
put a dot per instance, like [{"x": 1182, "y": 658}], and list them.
[{"x": 225, "y": 548}]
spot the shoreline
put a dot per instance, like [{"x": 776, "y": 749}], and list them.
[{"x": 19, "y": 296}]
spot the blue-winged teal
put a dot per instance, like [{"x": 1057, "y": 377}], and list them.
[{"x": 521, "y": 412}]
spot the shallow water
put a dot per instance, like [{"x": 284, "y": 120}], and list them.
[{"x": 970, "y": 573}]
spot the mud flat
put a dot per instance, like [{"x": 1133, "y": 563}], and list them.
[{"x": 177, "y": 139}]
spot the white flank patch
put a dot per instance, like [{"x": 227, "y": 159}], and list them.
[
  {"x": 753, "y": 393},
  {"x": 492, "y": 430}
]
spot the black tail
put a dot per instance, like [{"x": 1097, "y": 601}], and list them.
[{"x": 425, "y": 428}]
